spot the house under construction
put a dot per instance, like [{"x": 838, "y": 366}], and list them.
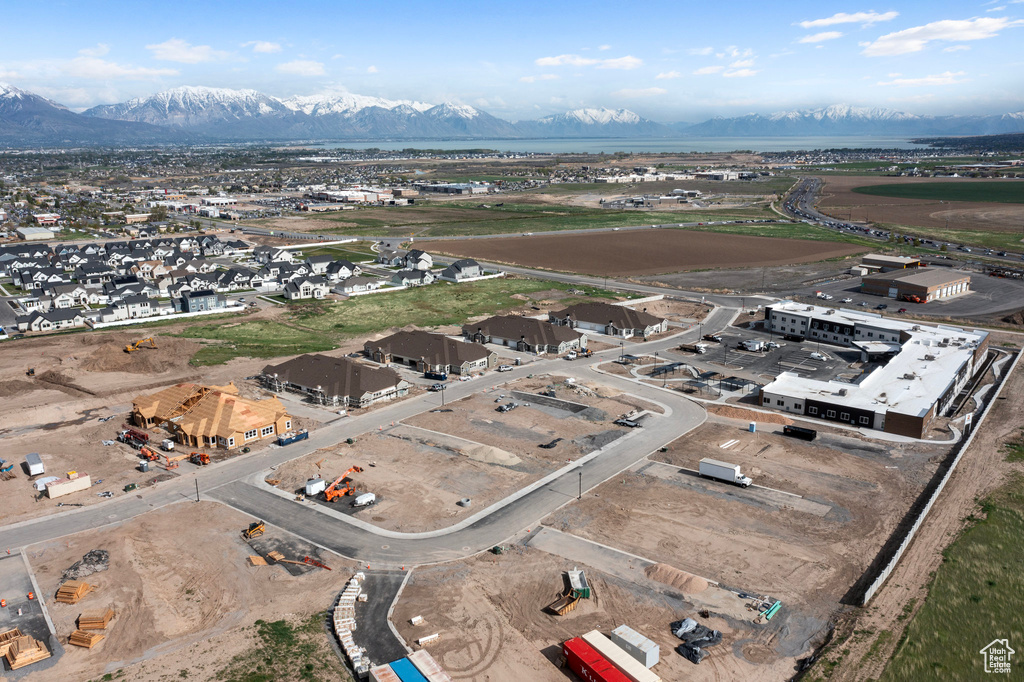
[{"x": 211, "y": 416}]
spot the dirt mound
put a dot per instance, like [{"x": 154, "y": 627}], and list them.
[
  {"x": 687, "y": 583},
  {"x": 93, "y": 562},
  {"x": 61, "y": 380},
  {"x": 169, "y": 353},
  {"x": 1015, "y": 318},
  {"x": 17, "y": 387},
  {"x": 491, "y": 455},
  {"x": 748, "y": 415}
]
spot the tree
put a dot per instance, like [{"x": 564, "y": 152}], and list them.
[{"x": 943, "y": 248}]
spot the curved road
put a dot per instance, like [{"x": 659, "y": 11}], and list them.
[{"x": 228, "y": 482}]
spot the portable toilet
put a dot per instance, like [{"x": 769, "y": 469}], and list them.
[{"x": 35, "y": 464}]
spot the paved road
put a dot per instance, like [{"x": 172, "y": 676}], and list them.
[{"x": 225, "y": 482}]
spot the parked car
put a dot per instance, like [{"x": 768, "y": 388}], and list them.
[
  {"x": 628, "y": 422},
  {"x": 863, "y": 304},
  {"x": 847, "y": 300},
  {"x": 881, "y": 306},
  {"x": 504, "y": 368},
  {"x": 713, "y": 337},
  {"x": 437, "y": 387},
  {"x": 902, "y": 310}
]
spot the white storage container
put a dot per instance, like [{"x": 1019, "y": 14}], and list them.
[{"x": 636, "y": 645}]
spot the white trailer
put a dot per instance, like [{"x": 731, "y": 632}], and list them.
[
  {"x": 315, "y": 486},
  {"x": 35, "y": 464},
  {"x": 364, "y": 500},
  {"x": 723, "y": 471}
]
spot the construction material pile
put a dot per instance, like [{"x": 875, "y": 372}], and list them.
[
  {"x": 85, "y": 639},
  {"x": 93, "y": 562},
  {"x": 95, "y": 620},
  {"x": 6, "y": 637},
  {"x": 24, "y": 651},
  {"x": 696, "y": 638},
  {"x": 344, "y": 619},
  {"x": 73, "y": 590}
]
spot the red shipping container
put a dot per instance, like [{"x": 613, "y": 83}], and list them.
[{"x": 589, "y": 665}]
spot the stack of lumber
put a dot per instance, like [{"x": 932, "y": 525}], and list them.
[
  {"x": 257, "y": 560},
  {"x": 73, "y": 590},
  {"x": 95, "y": 620},
  {"x": 6, "y": 637},
  {"x": 344, "y": 618},
  {"x": 24, "y": 651},
  {"x": 86, "y": 639},
  {"x": 276, "y": 556}
]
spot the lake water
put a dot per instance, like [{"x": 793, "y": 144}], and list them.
[{"x": 640, "y": 145}]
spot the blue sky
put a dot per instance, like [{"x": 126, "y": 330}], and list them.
[{"x": 669, "y": 61}]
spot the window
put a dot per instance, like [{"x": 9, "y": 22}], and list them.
[
  {"x": 250, "y": 434},
  {"x": 812, "y": 410},
  {"x": 288, "y": 425},
  {"x": 780, "y": 402},
  {"x": 831, "y": 414},
  {"x": 266, "y": 431},
  {"x": 798, "y": 406},
  {"x": 845, "y": 416},
  {"x": 871, "y": 334},
  {"x": 231, "y": 442},
  {"x": 865, "y": 420}
]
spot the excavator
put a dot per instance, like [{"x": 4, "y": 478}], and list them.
[
  {"x": 255, "y": 529},
  {"x": 333, "y": 491},
  {"x": 141, "y": 343},
  {"x": 200, "y": 458}
]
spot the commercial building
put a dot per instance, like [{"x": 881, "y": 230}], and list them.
[
  {"x": 428, "y": 352},
  {"x": 525, "y": 334},
  {"x": 882, "y": 263},
  {"x": 46, "y": 218},
  {"x": 911, "y": 373},
  {"x": 919, "y": 285},
  {"x": 613, "y": 320},
  {"x": 211, "y": 416},
  {"x": 335, "y": 381},
  {"x": 31, "y": 234}
]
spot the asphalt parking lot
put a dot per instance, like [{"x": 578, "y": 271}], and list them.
[{"x": 15, "y": 585}]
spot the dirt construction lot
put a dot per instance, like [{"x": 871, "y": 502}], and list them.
[
  {"x": 644, "y": 252},
  {"x": 839, "y": 200},
  {"x": 421, "y": 468},
  {"x": 180, "y": 599}
]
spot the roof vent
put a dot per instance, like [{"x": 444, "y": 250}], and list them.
[
  {"x": 910, "y": 376},
  {"x": 843, "y": 391},
  {"x": 929, "y": 357}
]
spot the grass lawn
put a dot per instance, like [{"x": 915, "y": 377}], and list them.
[
  {"x": 991, "y": 239},
  {"x": 355, "y": 252},
  {"x": 255, "y": 339},
  {"x": 432, "y": 306},
  {"x": 977, "y": 596},
  {"x": 282, "y": 650},
  {"x": 459, "y": 218},
  {"x": 996, "y": 191},
  {"x": 321, "y": 325},
  {"x": 798, "y": 230}
]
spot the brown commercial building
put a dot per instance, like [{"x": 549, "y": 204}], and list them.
[{"x": 925, "y": 284}]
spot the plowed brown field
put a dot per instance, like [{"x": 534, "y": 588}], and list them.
[
  {"x": 839, "y": 200},
  {"x": 646, "y": 252}
]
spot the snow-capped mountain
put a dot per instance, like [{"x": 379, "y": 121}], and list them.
[
  {"x": 844, "y": 119},
  {"x": 27, "y": 118},
  {"x": 601, "y": 122},
  {"x": 346, "y": 103}
]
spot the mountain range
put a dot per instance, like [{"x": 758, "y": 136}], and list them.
[{"x": 201, "y": 114}]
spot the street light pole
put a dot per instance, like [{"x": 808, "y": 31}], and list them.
[{"x": 580, "y": 495}]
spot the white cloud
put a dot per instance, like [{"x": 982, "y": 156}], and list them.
[
  {"x": 98, "y": 51},
  {"x": 700, "y": 51},
  {"x": 639, "y": 92},
  {"x": 956, "y": 48},
  {"x": 100, "y": 69},
  {"x": 178, "y": 50},
  {"x": 864, "y": 18},
  {"x": 301, "y": 67},
  {"x": 627, "y": 62},
  {"x": 947, "y": 78},
  {"x": 996, "y": 9},
  {"x": 605, "y": 47},
  {"x": 9, "y": 75},
  {"x": 741, "y": 64},
  {"x": 262, "y": 46},
  {"x": 668, "y": 75},
  {"x": 706, "y": 70},
  {"x": 565, "y": 60},
  {"x": 821, "y": 37},
  {"x": 953, "y": 30},
  {"x": 369, "y": 69},
  {"x": 541, "y": 77},
  {"x": 740, "y": 73}
]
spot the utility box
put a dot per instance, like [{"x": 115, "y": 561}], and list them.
[
  {"x": 66, "y": 486},
  {"x": 636, "y": 645},
  {"x": 35, "y": 464}
]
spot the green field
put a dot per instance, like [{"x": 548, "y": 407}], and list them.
[
  {"x": 280, "y": 650},
  {"x": 998, "y": 191},
  {"x": 321, "y": 325},
  {"x": 977, "y": 596}
]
